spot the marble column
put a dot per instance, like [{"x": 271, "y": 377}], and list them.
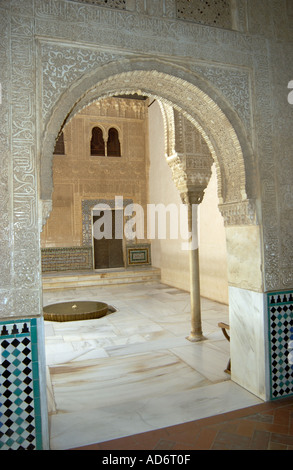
[
  {"x": 193, "y": 199},
  {"x": 191, "y": 181}
]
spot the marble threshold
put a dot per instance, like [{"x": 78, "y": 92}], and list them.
[{"x": 133, "y": 370}]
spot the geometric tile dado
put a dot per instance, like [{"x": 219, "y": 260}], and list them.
[
  {"x": 75, "y": 258},
  {"x": 280, "y": 311},
  {"x": 138, "y": 254},
  {"x": 20, "y": 417}
]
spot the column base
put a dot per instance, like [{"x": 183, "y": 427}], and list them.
[{"x": 195, "y": 338}]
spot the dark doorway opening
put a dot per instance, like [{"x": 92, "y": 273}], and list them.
[{"x": 108, "y": 253}]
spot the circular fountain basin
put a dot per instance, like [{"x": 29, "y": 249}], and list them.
[{"x": 73, "y": 311}]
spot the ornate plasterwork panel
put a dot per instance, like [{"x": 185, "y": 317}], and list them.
[
  {"x": 62, "y": 65},
  {"x": 167, "y": 112},
  {"x": 5, "y": 182},
  {"x": 120, "y": 4},
  {"x": 277, "y": 171},
  {"x": 244, "y": 213},
  {"x": 191, "y": 162},
  {"x": 150, "y": 7},
  {"x": 20, "y": 174},
  {"x": 223, "y": 14},
  {"x": 187, "y": 155},
  {"x": 235, "y": 86},
  {"x": 211, "y": 13}
]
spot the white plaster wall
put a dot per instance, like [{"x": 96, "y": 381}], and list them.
[
  {"x": 212, "y": 247},
  {"x": 168, "y": 254}
]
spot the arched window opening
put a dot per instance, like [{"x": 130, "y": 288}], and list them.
[
  {"x": 113, "y": 144},
  {"x": 97, "y": 142},
  {"x": 59, "y": 146}
]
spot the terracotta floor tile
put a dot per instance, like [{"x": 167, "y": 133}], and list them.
[
  {"x": 206, "y": 438},
  {"x": 184, "y": 438},
  {"x": 228, "y": 441},
  {"x": 282, "y": 417},
  {"x": 282, "y": 439},
  {"x": 276, "y": 446},
  {"x": 269, "y": 427},
  {"x": 181, "y": 446},
  {"x": 163, "y": 444},
  {"x": 262, "y": 417},
  {"x": 246, "y": 428},
  {"x": 260, "y": 440}
]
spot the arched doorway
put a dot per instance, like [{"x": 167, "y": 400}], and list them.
[
  {"x": 215, "y": 119},
  {"x": 188, "y": 93},
  {"x": 210, "y": 113},
  {"x": 227, "y": 142}
]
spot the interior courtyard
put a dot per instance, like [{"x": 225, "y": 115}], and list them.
[{"x": 149, "y": 332}]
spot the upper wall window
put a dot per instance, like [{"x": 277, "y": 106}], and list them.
[
  {"x": 206, "y": 12},
  {"x": 59, "y": 146},
  {"x": 113, "y": 144},
  {"x": 100, "y": 148},
  {"x": 97, "y": 142},
  {"x": 120, "y": 4}
]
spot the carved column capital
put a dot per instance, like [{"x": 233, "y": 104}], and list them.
[
  {"x": 193, "y": 195},
  {"x": 190, "y": 182}
]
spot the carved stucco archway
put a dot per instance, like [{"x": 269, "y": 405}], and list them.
[
  {"x": 186, "y": 92},
  {"x": 220, "y": 126}
]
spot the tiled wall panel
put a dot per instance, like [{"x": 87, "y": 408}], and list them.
[
  {"x": 67, "y": 259},
  {"x": 20, "y": 414},
  {"x": 138, "y": 255},
  {"x": 280, "y": 310}
]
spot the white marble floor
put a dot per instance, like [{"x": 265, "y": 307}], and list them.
[{"x": 134, "y": 371}]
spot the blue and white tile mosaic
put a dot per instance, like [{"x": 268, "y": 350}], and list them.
[
  {"x": 20, "y": 414},
  {"x": 280, "y": 310}
]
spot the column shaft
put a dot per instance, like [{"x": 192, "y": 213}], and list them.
[{"x": 195, "y": 304}]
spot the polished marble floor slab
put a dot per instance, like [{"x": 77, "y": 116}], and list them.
[{"x": 133, "y": 370}]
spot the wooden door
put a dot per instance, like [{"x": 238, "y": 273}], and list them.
[{"x": 108, "y": 253}]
